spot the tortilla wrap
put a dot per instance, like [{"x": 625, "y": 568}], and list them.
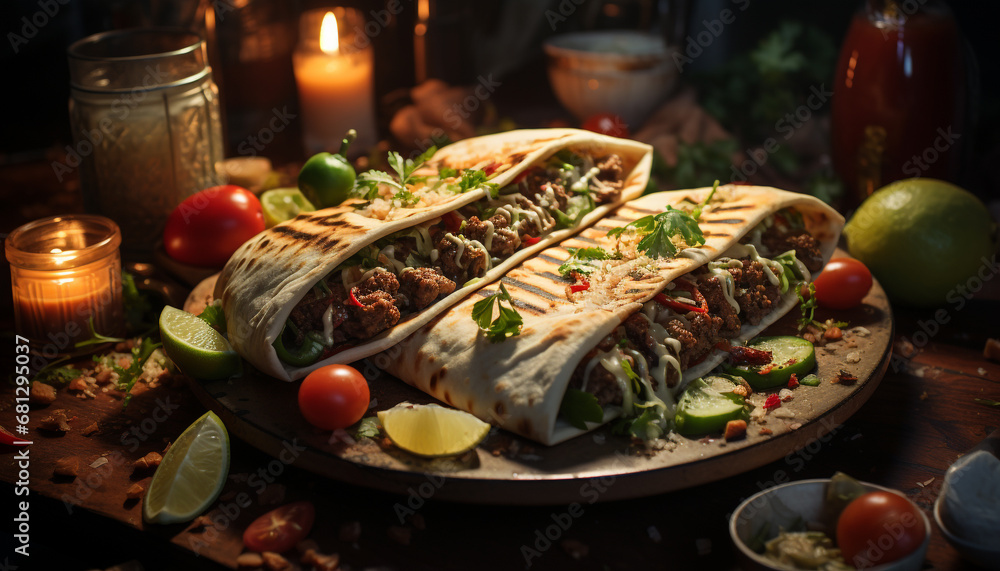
[
  {"x": 272, "y": 272},
  {"x": 519, "y": 383}
]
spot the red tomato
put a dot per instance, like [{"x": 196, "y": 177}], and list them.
[
  {"x": 281, "y": 529},
  {"x": 607, "y": 124},
  {"x": 877, "y": 528},
  {"x": 210, "y": 225},
  {"x": 843, "y": 283},
  {"x": 334, "y": 396}
]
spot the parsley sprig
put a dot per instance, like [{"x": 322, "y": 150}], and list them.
[
  {"x": 808, "y": 308},
  {"x": 658, "y": 230},
  {"x": 508, "y": 322},
  {"x": 128, "y": 377},
  {"x": 369, "y": 181},
  {"x": 474, "y": 178},
  {"x": 586, "y": 260}
]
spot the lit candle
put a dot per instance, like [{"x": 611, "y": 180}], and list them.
[
  {"x": 65, "y": 270},
  {"x": 333, "y": 70}
]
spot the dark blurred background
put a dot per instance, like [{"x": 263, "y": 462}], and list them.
[{"x": 251, "y": 42}]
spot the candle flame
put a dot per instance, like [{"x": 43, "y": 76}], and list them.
[{"x": 329, "y": 40}]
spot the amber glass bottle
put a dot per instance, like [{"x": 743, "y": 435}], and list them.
[{"x": 899, "y": 96}]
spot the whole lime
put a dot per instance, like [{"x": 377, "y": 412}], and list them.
[{"x": 923, "y": 239}]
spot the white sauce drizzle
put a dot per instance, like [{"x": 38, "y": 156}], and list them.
[
  {"x": 582, "y": 184},
  {"x": 749, "y": 251},
  {"x": 328, "y": 326},
  {"x": 489, "y": 234}
]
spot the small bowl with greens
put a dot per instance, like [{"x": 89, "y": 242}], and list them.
[{"x": 831, "y": 524}]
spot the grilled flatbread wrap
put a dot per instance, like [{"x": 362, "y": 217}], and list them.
[
  {"x": 519, "y": 384},
  {"x": 278, "y": 277}
]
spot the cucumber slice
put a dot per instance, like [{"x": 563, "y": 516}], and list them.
[
  {"x": 708, "y": 404},
  {"x": 797, "y": 352}
]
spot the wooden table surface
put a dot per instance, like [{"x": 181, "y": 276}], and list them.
[{"x": 920, "y": 420}]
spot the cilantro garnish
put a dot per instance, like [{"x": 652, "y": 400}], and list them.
[
  {"x": 584, "y": 260},
  {"x": 508, "y": 322},
  {"x": 808, "y": 308},
  {"x": 473, "y": 178},
  {"x": 404, "y": 169},
  {"x": 57, "y": 375},
  {"x": 215, "y": 316},
  {"x": 128, "y": 377},
  {"x": 95, "y": 337},
  {"x": 580, "y": 407},
  {"x": 658, "y": 229}
]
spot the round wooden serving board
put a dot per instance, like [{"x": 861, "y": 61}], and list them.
[{"x": 507, "y": 469}]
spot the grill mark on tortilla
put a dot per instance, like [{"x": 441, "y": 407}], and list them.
[
  {"x": 527, "y": 306},
  {"x": 554, "y": 277},
  {"x": 332, "y": 221},
  {"x": 294, "y": 234},
  {"x": 550, "y": 259},
  {"x": 725, "y": 221},
  {"x": 603, "y": 228},
  {"x": 530, "y": 288},
  {"x": 587, "y": 240},
  {"x": 730, "y": 208}
]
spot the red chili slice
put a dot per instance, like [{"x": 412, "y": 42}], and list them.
[
  {"x": 10, "y": 439},
  {"x": 677, "y": 305},
  {"x": 452, "y": 221},
  {"x": 354, "y": 300},
  {"x": 584, "y": 286},
  {"x": 773, "y": 401},
  {"x": 491, "y": 168},
  {"x": 740, "y": 355},
  {"x": 793, "y": 381},
  {"x": 531, "y": 240}
]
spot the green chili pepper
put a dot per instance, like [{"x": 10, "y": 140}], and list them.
[
  {"x": 302, "y": 356},
  {"x": 327, "y": 179}
]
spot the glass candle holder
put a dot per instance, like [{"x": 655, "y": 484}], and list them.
[
  {"x": 66, "y": 270},
  {"x": 334, "y": 73},
  {"x": 147, "y": 127}
]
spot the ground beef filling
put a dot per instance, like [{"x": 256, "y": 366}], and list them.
[
  {"x": 382, "y": 298},
  {"x": 806, "y": 247},
  {"x": 697, "y": 332},
  {"x": 501, "y": 241},
  {"x": 420, "y": 287}
]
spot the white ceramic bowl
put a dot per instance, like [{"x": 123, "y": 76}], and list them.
[
  {"x": 987, "y": 557},
  {"x": 804, "y": 498},
  {"x": 623, "y": 72}
]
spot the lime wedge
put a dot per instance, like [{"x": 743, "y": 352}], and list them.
[
  {"x": 196, "y": 348},
  {"x": 432, "y": 430},
  {"x": 191, "y": 474},
  {"x": 283, "y": 204}
]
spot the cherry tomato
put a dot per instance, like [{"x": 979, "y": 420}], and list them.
[
  {"x": 210, "y": 225},
  {"x": 280, "y": 529},
  {"x": 607, "y": 124},
  {"x": 843, "y": 283},
  {"x": 877, "y": 528},
  {"x": 334, "y": 396}
]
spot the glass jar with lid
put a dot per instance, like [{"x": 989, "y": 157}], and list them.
[{"x": 147, "y": 127}]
